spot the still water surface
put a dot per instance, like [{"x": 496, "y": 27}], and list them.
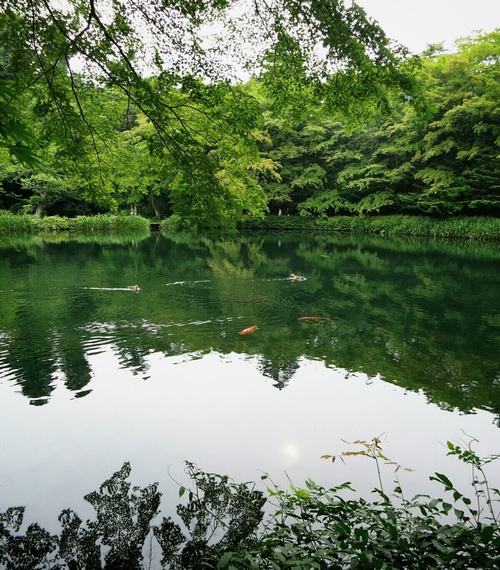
[{"x": 93, "y": 374}]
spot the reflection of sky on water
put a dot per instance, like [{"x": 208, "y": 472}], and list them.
[{"x": 221, "y": 413}]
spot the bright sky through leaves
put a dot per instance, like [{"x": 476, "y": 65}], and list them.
[{"x": 416, "y": 24}]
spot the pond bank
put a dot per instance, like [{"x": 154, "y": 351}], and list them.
[
  {"x": 476, "y": 228},
  {"x": 471, "y": 228}
]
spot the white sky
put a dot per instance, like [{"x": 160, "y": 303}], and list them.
[{"x": 417, "y": 23}]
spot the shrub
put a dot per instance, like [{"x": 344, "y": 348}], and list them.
[
  {"x": 16, "y": 223},
  {"x": 105, "y": 223},
  {"x": 477, "y": 228},
  {"x": 174, "y": 224}
]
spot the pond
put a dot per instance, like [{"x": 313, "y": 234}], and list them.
[{"x": 93, "y": 374}]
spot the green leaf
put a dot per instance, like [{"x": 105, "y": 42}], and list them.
[
  {"x": 487, "y": 532},
  {"x": 443, "y": 479},
  {"x": 224, "y": 559},
  {"x": 433, "y": 503}
]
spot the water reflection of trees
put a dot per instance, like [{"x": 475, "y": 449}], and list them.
[
  {"x": 30, "y": 353},
  {"x": 422, "y": 315},
  {"x": 221, "y": 516},
  {"x": 279, "y": 370}
]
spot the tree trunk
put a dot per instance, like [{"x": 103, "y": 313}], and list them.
[{"x": 157, "y": 214}]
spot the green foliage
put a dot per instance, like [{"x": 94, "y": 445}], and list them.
[
  {"x": 462, "y": 137},
  {"x": 216, "y": 181},
  {"x": 169, "y": 131},
  {"x": 439, "y": 160},
  {"x": 355, "y": 72},
  {"x": 311, "y": 527},
  {"x": 14, "y": 133},
  {"x": 319, "y": 528},
  {"x": 476, "y": 228},
  {"x": 86, "y": 84},
  {"x": 45, "y": 189},
  {"x": 110, "y": 224},
  {"x": 18, "y": 224},
  {"x": 484, "y": 495},
  {"x": 174, "y": 224},
  {"x": 15, "y": 223}
]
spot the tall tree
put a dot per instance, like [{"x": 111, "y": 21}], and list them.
[
  {"x": 321, "y": 48},
  {"x": 458, "y": 163},
  {"x": 440, "y": 162}
]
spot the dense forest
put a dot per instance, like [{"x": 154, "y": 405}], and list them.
[
  {"x": 89, "y": 127},
  {"x": 440, "y": 160}
]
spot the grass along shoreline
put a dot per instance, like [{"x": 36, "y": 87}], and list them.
[
  {"x": 476, "y": 228},
  {"x": 472, "y": 228},
  {"x": 103, "y": 223}
]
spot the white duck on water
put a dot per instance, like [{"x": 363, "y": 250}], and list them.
[{"x": 294, "y": 277}]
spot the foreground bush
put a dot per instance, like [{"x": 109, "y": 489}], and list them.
[{"x": 223, "y": 526}]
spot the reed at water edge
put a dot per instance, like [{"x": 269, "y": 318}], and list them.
[
  {"x": 475, "y": 228},
  {"x": 481, "y": 228}
]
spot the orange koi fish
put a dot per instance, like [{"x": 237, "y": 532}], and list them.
[
  {"x": 314, "y": 319},
  {"x": 249, "y": 330}
]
